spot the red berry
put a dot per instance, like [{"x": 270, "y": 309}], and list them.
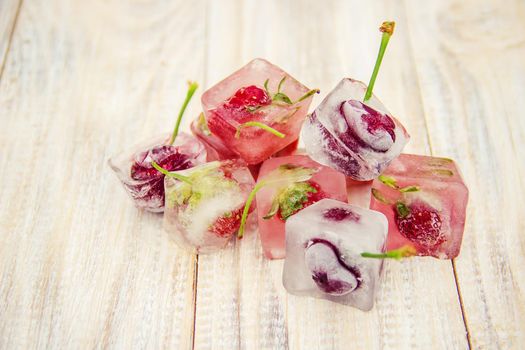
[
  {"x": 226, "y": 225},
  {"x": 376, "y": 120},
  {"x": 249, "y": 96},
  {"x": 166, "y": 156},
  {"x": 422, "y": 225}
]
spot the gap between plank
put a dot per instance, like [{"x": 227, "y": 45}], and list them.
[
  {"x": 429, "y": 140},
  {"x": 195, "y": 282},
  {"x": 10, "y": 39}
]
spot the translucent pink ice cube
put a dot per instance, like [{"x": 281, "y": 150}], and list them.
[
  {"x": 215, "y": 148},
  {"x": 326, "y": 182},
  {"x": 202, "y": 215},
  {"x": 425, "y": 200},
  {"x": 324, "y": 243},
  {"x": 241, "y": 97},
  {"x": 355, "y": 138},
  {"x": 142, "y": 182}
]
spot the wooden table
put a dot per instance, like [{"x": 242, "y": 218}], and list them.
[{"x": 80, "y": 267}]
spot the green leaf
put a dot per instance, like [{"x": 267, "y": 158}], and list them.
[
  {"x": 281, "y": 84},
  {"x": 409, "y": 189},
  {"x": 389, "y": 181},
  {"x": 203, "y": 125},
  {"x": 266, "y": 86},
  {"x": 282, "y": 97},
  {"x": 253, "y": 109},
  {"x": 273, "y": 209},
  {"x": 402, "y": 210},
  {"x": 379, "y": 196}
]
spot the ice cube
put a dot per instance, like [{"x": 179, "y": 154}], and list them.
[
  {"x": 358, "y": 139},
  {"x": 215, "y": 148},
  {"x": 144, "y": 183},
  {"x": 425, "y": 200},
  {"x": 203, "y": 211},
  {"x": 256, "y": 93},
  {"x": 290, "y": 198},
  {"x": 324, "y": 243}
]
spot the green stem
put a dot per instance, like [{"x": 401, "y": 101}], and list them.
[
  {"x": 191, "y": 90},
  {"x": 259, "y": 125},
  {"x": 388, "y": 29},
  {"x": 308, "y": 94},
  {"x": 170, "y": 174},
  {"x": 247, "y": 206},
  {"x": 403, "y": 252}
]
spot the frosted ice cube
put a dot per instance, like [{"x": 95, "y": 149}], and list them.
[
  {"x": 145, "y": 184},
  {"x": 243, "y": 97},
  {"x": 204, "y": 212},
  {"x": 324, "y": 243},
  {"x": 325, "y": 183},
  {"x": 424, "y": 199},
  {"x": 355, "y": 138}
]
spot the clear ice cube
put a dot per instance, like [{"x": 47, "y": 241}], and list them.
[
  {"x": 243, "y": 97},
  {"x": 145, "y": 184},
  {"x": 325, "y": 183},
  {"x": 324, "y": 243},
  {"x": 358, "y": 139},
  {"x": 203, "y": 212},
  {"x": 424, "y": 199}
]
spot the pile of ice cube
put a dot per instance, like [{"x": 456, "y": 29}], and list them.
[{"x": 334, "y": 213}]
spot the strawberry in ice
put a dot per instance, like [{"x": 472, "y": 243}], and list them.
[
  {"x": 204, "y": 204},
  {"x": 177, "y": 151},
  {"x": 257, "y": 111},
  {"x": 351, "y": 130},
  {"x": 325, "y": 244},
  {"x": 282, "y": 199},
  {"x": 425, "y": 200}
]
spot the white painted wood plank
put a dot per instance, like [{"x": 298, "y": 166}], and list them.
[
  {"x": 241, "y": 302},
  {"x": 471, "y": 70},
  {"x": 80, "y": 267}
]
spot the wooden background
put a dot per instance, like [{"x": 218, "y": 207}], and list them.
[{"x": 80, "y": 267}]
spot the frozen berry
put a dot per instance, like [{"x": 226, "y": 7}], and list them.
[
  {"x": 340, "y": 214},
  {"x": 420, "y": 223},
  {"x": 249, "y": 96},
  {"x": 331, "y": 274}
]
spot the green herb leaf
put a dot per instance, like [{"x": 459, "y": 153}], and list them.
[
  {"x": 203, "y": 125},
  {"x": 389, "y": 181},
  {"x": 273, "y": 209},
  {"x": 281, "y": 84},
  {"x": 409, "y": 189},
  {"x": 402, "y": 210},
  {"x": 266, "y": 87},
  {"x": 282, "y": 97},
  {"x": 380, "y": 197}
]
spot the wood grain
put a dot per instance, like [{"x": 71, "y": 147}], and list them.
[
  {"x": 8, "y": 13},
  {"x": 471, "y": 73},
  {"x": 80, "y": 267}
]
